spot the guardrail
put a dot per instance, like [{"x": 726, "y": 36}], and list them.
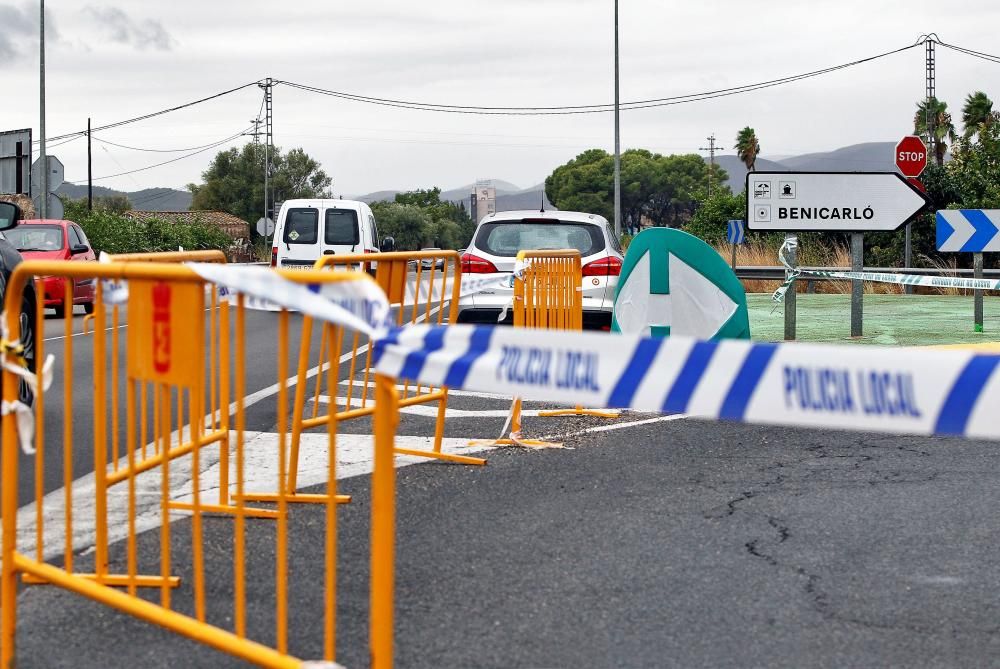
[{"x": 777, "y": 273}]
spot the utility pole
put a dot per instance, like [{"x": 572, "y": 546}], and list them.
[
  {"x": 43, "y": 189},
  {"x": 268, "y": 146},
  {"x": 711, "y": 148},
  {"x": 618, "y": 152},
  {"x": 90, "y": 174},
  {"x": 929, "y": 116}
]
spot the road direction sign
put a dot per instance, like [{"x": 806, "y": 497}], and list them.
[
  {"x": 968, "y": 230},
  {"x": 911, "y": 156},
  {"x": 831, "y": 201},
  {"x": 674, "y": 283},
  {"x": 265, "y": 227},
  {"x": 734, "y": 232},
  {"x": 56, "y": 174}
]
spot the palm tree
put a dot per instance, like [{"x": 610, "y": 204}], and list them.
[
  {"x": 747, "y": 147},
  {"x": 944, "y": 129},
  {"x": 977, "y": 114}
]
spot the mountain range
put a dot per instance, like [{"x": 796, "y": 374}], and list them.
[{"x": 867, "y": 157}]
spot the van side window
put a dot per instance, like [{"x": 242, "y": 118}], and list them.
[
  {"x": 371, "y": 219},
  {"x": 301, "y": 226},
  {"x": 342, "y": 227}
]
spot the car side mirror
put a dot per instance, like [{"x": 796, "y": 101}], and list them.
[
  {"x": 79, "y": 248},
  {"x": 10, "y": 214},
  {"x": 388, "y": 245}
]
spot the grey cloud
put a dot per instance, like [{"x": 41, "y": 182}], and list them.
[
  {"x": 120, "y": 27},
  {"x": 19, "y": 33}
]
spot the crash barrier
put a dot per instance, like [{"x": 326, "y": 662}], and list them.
[
  {"x": 219, "y": 377},
  {"x": 164, "y": 464},
  {"x": 884, "y": 389},
  {"x": 421, "y": 286},
  {"x": 547, "y": 295}
]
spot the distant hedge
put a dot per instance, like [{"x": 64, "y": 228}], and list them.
[{"x": 114, "y": 233}]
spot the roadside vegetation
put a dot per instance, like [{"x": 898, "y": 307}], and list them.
[{"x": 109, "y": 230}]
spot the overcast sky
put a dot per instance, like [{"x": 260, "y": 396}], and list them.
[{"x": 131, "y": 57}]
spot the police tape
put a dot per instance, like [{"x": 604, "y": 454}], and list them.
[
  {"x": 357, "y": 303},
  {"x": 887, "y": 277},
  {"x": 895, "y": 390},
  {"x": 796, "y": 273}
]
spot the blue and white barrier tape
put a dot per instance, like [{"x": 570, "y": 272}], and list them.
[{"x": 897, "y": 390}]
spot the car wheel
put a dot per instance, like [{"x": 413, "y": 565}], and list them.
[
  {"x": 88, "y": 308},
  {"x": 28, "y": 342},
  {"x": 60, "y": 312}
]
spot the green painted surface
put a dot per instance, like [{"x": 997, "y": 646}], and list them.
[{"x": 895, "y": 320}]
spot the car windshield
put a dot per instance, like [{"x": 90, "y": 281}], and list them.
[
  {"x": 36, "y": 237},
  {"x": 506, "y": 239}
]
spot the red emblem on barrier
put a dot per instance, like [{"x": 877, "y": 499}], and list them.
[{"x": 161, "y": 328}]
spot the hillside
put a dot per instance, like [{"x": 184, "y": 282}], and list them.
[{"x": 149, "y": 199}]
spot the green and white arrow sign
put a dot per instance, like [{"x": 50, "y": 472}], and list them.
[{"x": 674, "y": 283}]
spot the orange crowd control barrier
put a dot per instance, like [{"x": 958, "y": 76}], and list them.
[
  {"x": 158, "y": 437},
  {"x": 422, "y": 287},
  {"x": 547, "y": 295}
]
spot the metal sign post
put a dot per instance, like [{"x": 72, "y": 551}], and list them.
[
  {"x": 857, "y": 286},
  {"x": 791, "y": 243},
  {"x": 977, "y": 295},
  {"x": 911, "y": 159}
]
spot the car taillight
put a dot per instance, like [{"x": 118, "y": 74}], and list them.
[
  {"x": 274, "y": 256},
  {"x": 610, "y": 266},
  {"x": 472, "y": 264}
]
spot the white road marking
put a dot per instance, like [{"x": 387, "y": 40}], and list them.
[
  {"x": 354, "y": 458},
  {"x": 430, "y": 409}
]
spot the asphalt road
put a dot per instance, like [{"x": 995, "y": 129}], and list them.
[
  {"x": 680, "y": 543},
  {"x": 684, "y": 544}
]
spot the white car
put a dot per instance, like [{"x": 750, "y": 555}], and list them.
[
  {"x": 500, "y": 236},
  {"x": 309, "y": 229}
]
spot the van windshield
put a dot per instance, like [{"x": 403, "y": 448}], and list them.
[
  {"x": 342, "y": 227},
  {"x": 506, "y": 239},
  {"x": 301, "y": 226}
]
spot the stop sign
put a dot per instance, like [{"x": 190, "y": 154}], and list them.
[{"x": 911, "y": 156}]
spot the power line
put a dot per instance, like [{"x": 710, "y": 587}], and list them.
[
  {"x": 970, "y": 52},
  {"x": 585, "y": 109},
  {"x": 172, "y": 160},
  {"x": 138, "y": 148},
  {"x": 144, "y": 117}
]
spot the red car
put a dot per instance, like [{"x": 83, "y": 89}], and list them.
[{"x": 46, "y": 239}]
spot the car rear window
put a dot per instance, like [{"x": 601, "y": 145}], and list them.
[
  {"x": 36, "y": 237},
  {"x": 342, "y": 227},
  {"x": 301, "y": 226},
  {"x": 506, "y": 239}
]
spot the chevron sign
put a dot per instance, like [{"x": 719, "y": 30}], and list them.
[{"x": 968, "y": 230}]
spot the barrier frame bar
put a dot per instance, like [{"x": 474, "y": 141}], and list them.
[{"x": 391, "y": 274}]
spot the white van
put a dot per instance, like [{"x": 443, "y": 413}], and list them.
[{"x": 308, "y": 229}]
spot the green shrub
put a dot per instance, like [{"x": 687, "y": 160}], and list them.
[{"x": 114, "y": 233}]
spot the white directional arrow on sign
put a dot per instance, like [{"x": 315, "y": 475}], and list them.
[
  {"x": 841, "y": 201},
  {"x": 695, "y": 307}
]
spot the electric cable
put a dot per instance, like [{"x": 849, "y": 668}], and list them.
[{"x": 585, "y": 109}]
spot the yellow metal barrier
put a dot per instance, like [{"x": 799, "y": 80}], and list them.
[
  {"x": 423, "y": 287},
  {"x": 162, "y": 433},
  {"x": 547, "y": 295}
]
